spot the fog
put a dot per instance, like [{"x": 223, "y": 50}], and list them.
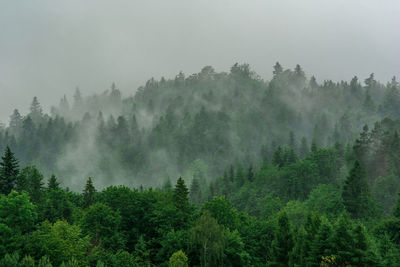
[{"x": 47, "y": 48}]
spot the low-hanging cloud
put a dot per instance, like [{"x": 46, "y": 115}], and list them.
[{"x": 48, "y": 47}]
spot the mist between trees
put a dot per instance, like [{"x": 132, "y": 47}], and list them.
[{"x": 286, "y": 172}]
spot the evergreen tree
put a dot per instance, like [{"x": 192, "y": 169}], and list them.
[
  {"x": 282, "y": 244},
  {"x": 15, "y": 125},
  {"x": 278, "y": 157},
  {"x": 355, "y": 192},
  {"x": 181, "y": 202},
  {"x": 320, "y": 246},
  {"x": 277, "y": 69},
  {"x": 34, "y": 183},
  {"x": 343, "y": 243},
  {"x": 36, "y": 111},
  {"x": 89, "y": 193},
  {"x": 53, "y": 184},
  {"x": 8, "y": 172}
]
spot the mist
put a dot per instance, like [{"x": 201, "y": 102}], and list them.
[{"x": 48, "y": 48}]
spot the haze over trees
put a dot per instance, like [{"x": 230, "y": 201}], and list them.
[{"x": 210, "y": 169}]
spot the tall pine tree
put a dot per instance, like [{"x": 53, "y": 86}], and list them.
[
  {"x": 355, "y": 192},
  {"x": 89, "y": 193},
  {"x": 8, "y": 172}
]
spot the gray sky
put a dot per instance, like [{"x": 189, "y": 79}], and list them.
[{"x": 48, "y": 47}]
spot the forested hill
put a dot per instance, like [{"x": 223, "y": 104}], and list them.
[
  {"x": 204, "y": 123},
  {"x": 281, "y": 173}
]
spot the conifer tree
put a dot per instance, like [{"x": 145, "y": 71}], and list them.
[
  {"x": 53, "y": 184},
  {"x": 89, "y": 193},
  {"x": 181, "y": 202},
  {"x": 320, "y": 246},
  {"x": 277, "y": 158},
  {"x": 355, "y": 192},
  {"x": 343, "y": 243},
  {"x": 283, "y": 243},
  {"x": 277, "y": 69},
  {"x": 8, "y": 172},
  {"x": 34, "y": 183}
]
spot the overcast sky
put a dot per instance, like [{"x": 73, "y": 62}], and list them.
[{"x": 49, "y": 47}]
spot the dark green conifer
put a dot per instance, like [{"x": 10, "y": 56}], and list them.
[
  {"x": 53, "y": 184},
  {"x": 355, "y": 192},
  {"x": 8, "y": 172},
  {"x": 283, "y": 243},
  {"x": 89, "y": 193}
]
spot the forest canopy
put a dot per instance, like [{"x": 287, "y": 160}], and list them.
[{"x": 211, "y": 169}]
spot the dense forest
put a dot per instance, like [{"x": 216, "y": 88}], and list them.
[{"x": 213, "y": 169}]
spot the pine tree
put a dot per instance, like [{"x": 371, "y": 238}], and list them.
[
  {"x": 277, "y": 158},
  {"x": 355, "y": 192},
  {"x": 15, "y": 125},
  {"x": 277, "y": 69},
  {"x": 34, "y": 183},
  {"x": 36, "y": 112},
  {"x": 181, "y": 202},
  {"x": 283, "y": 243},
  {"x": 89, "y": 193},
  {"x": 8, "y": 172},
  {"x": 343, "y": 243},
  {"x": 53, "y": 184},
  {"x": 311, "y": 228},
  {"x": 320, "y": 246}
]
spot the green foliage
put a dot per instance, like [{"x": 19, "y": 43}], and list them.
[
  {"x": 178, "y": 259},
  {"x": 283, "y": 243},
  {"x": 33, "y": 181},
  {"x": 261, "y": 196},
  {"x": 8, "y": 172},
  {"x": 17, "y": 212},
  {"x": 103, "y": 223},
  {"x": 355, "y": 192},
  {"x": 89, "y": 193},
  {"x": 59, "y": 241},
  {"x": 208, "y": 236},
  {"x": 181, "y": 201}
]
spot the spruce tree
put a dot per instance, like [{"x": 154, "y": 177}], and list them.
[
  {"x": 355, "y": 192},
  {"x": 8, "y": 172},
  {"x": 277, "y": 158},
  {"x": 320, "y": 246},
  {"x": 53, "y": 184},
  {"x": 89, "y": 193},
  {"x": 283, "y": 243},
  {"x": 181, "y": 202},
  {"x": 277, "y": 69},
  {"x": 34, "y": 183}
]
